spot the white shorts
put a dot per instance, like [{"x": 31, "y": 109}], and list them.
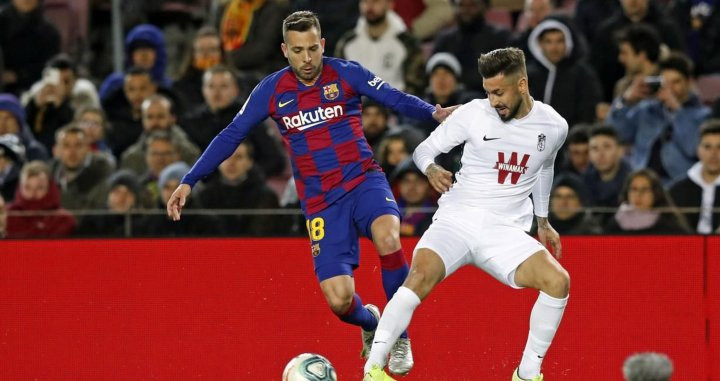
[{"x": 462, "y": 237}]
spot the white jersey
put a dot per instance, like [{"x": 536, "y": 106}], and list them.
[{"x": 502, "y": 162}]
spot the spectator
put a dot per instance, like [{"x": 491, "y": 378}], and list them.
[
  {"x": 123, "y": 198},
  {"x": 414, "y": 192},
  {"x": 38, "y": 193},
  {"x": 381, "y": 43},
  {"x": 645, "y": 208},
  {"x": 94, "y": 121},
  {"x": 80, "y": 91},
  {"x": 700, "y": 23},
  {"x": 558, "y": 75},
  {"x": 608, "y": 171},
  {"x": 393, "y": 150},
  {"x": 640, "y": 49},
  {"x": 192, "y": 225},
  {"x": 589, "y": 14},
  {"x": 425, "y": 18},
  {"x": 12, "y": 121},
  {"x": 145, "y": 50},
  {"x": 49, "y": 107},
  {"x": 240, "y": 185},
  {"x": 567, "y": 214},
  {"x": 577, "y": 155},
  {"x": 445, "y": 72},
  {"x": 28, "y": 41},
  {"x": 375, "y": 119},
  {"x": 470, "y": 38},
  {"x": 12, "y": 157},
  {"x": 124, "y": 109},
  {"x": 221, "y": 103},
  {"x": 161, "y": 151},
  {"x": 701, "y": 187},
  {"x": 648, "y": 367},
  {"x": 206, "y": 53},
  {"x": 249, "y": 34},
  {"x": 535, "y": 11},
  {"x": 663, "y": 129},
  {"x": 157, "y": 115},
  {"x": 338, "y": 16},
  {"x": 78, "y": 171},
  {"x": 605, "y": 51}
]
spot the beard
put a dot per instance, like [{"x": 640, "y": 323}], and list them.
[
  {"x": 512, "y": 111},
  {"x": 376, "y": 20},
  {"x": 300, "y": 73}
]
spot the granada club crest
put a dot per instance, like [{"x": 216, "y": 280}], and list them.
[
  {"x": 541, "y": 142},
  {"x": 331, "y": 91}
]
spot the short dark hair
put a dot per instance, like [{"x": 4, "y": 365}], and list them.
[
  {"x": 578, "y": 134},
  {"x": 605, "y": 130},
  {"x": 138, "y": 71},
  {"x": 369, "y": 102},
  {"x": 711, "y": 126},
  {"x": 72, "y": 128},
  {"x": 301, "y": 21},
  {"x": 63, "y": 61},
  {"x": 507, "y": 61},
  {"x": 679, "y": 62},
  {"x": 643, "y": 38}
]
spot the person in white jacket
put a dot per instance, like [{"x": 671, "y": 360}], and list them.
[{"x": 511, "y": 142}]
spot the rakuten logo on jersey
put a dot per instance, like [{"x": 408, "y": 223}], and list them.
[
  {"x": 313, "y": 118},
  {"x": 511, "y": 167}
]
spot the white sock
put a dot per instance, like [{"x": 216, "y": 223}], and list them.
[
  {"x": 544, "y": 321},
  {"x": 394, "y": 321}
]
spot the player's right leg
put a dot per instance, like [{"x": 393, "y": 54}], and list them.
[{"x": 426, "y": 272}]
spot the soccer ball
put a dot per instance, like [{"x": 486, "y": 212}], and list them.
[{"x": 309, "y": 367}]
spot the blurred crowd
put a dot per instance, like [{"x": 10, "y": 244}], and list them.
[{"x": 85, "y": 151}]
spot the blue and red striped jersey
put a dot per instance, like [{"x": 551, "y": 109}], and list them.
[{"x": 321, "y": 127}]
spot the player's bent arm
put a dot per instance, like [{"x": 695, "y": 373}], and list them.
[{"x": 253, "y": 112}]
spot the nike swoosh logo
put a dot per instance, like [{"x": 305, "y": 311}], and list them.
[
  {"x": 389, "y": 199},
  {"x": 281, "y": 104},
  {"x": 485, "y": 138}
]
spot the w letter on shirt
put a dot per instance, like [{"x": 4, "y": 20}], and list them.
[{"x": 511, "y": 167}]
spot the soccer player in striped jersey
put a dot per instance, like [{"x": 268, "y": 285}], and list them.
[{"x": 316, "y": 104}]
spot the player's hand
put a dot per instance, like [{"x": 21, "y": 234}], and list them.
[
  {"x": 439, "y": 178},
  {"x": 443, "y": 112},
  {"x": 177, "y": 201},
  {"x": 547, "y": 234}
]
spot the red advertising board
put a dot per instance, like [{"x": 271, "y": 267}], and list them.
[{"x": 239, "y": 309}]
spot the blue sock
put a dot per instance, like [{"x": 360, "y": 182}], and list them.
[
  {"x": 394, "y": 271},
  {"x": 357, "y": 314}
]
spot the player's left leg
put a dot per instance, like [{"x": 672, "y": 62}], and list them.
[{"x": 542, "y": 272}]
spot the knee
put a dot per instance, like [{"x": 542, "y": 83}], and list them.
[
  {"x": 387, "y": 241},
  {"x": 340, "y": 303},
  {"x": 557, "y": 284},
  {"x": 421, "y": 280}
]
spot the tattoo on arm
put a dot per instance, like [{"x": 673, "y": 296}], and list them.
[{"x": 543, "y": 222}]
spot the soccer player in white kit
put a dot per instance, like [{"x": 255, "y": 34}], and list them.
[{"x": 510, "y": 145}]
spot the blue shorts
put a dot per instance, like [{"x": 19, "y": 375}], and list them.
[{"x": 334, "y": 230}]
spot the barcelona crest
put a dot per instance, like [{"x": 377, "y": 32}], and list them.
[
  {"x": 315, "y": 249},
  {"x": 331, "y": 91}
]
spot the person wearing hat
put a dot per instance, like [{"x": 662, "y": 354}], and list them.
[
  {"x": 123, "y": 198},
  {"x": 558, "y": 75},
  {"x": 12, "y": 157},
  {"x": 158, "y": 225},
  {"x": 567, "y": 200},
  {"x": 12, "y": 121},
  {"x": 413, "y": 192},
  {"x": 144, "y": 49}
]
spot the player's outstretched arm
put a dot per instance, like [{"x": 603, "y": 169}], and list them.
[
  {"x": 177, "y": 201},
  {"x": 440, "y": 179},
  {"x": 547, "y": 234}
]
